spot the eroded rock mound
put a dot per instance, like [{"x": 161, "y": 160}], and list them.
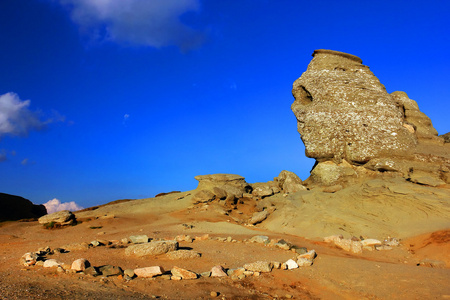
[{"x": 220, "y": 186}]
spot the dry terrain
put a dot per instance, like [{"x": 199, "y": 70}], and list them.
[{"x": 417, "y": 269}]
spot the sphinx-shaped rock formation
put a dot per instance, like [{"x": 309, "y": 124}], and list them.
[{"x": 353, "y": 127}]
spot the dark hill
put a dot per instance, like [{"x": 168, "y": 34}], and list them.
[{"x": 16, "y": 208}]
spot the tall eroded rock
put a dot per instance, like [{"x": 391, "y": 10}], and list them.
[
  {"x": 344, "y": 112},
  {"x": 355, "y": 129}
]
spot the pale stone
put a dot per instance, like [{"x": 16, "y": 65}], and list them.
[
  {"x": 139, "y": 239},
  {"x": 311, "y": 254},
  {"x": 61, "y": 217},
  {"x": 218, "y": 271},
  {"x": 260, "y": 239},
  {"x": 258, "y": 217},
  {"x": 183, "y": 273},
  {"x": 152, "y": 248},
  {"x": 304, "y": 262},
  {"x": 148, "y": 272},
  {"x": 259, "y": 266},
  {"x": 291, "y": 264},
  {"x": 182, "y": 254},
  {"x": 80, "y": 264},
  {"x": 50, "y": 263}
]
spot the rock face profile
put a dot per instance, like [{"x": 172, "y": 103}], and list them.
[
  {"x": 347, "y": 120},
  {"x": 341, "y": 108},
  {"x": 16, "y": 208}
]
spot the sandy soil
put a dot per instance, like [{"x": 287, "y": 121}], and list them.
[{"x": 335, "y": 274}]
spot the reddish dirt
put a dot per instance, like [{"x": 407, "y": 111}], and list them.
[{"x": 335, "y": 274}]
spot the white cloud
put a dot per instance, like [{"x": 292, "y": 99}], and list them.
[
  {"x": 55, "y": 205},
  {"x": 15, "y": 116},
  {"x": 153, "y": 23}
]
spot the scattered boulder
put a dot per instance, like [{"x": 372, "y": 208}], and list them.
[
  {"x": 50, "y": 263},
  {"x": 182, "y": 254},
  {"x": 91, "y": 271},
  {"x": 291, "y": 264},
  {"x": 258, "y": 217},
  {"x": 63, "y": 217},
  {"x": 29, "y": 259},
  {"x": 304, "y": 262},
  {"x": 110, "y": 270},
  {"x": 80, "y": 264},
  {"x": 262, "y": 239},
  {"x": 151, "y": 248},
  {"x": 259, "y": 266},
  {"x": 218, "y": 271},
  {"x": 183, "y": 273},
  {"x": 147, "y": 272},
  {"x": 139, "y": 239}
]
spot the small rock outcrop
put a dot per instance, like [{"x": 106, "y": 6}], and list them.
[
  {"x": 63, "y": 217},
  {"x": 16, "y": 208},
  {"x": 221, "y": 187}
]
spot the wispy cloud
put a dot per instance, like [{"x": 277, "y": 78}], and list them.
[
  {"x": 55, "y": 205},
  {"x": 15, "y": 116},
  {"x": 125, "y": 119},
  {"x": 154, "y": 23}
]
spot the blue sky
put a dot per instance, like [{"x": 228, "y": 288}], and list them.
[{"x": 109, "y": 99}]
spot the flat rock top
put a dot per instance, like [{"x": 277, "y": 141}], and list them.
[
  {"x": 219, "y": 177},
  {"x": 337, "y": 53}
]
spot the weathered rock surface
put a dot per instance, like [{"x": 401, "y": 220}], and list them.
[
  {"x": 355, "y": 129},
  {"x": 148, "y": 272},
  {"x": 80, "y": 264},
  {"x": 139, "y": 239},
  {"x": 182, "y": 254},
  {"x": 289, "y": 182},
  {"x": 61, "y": 217},
  {"x": 344, "y": 112},
  {"x": 259, "y": 266},
  {"x": 218, "y": 271},
  {"x": 50, "y": 263},
  {"x": 233, "y": 186},
  {"x": 16, "y": 208},
  {"x": 421, "y": 124},
  {"x": 183, "y": 273},
  {"x": 152, "y": 248},
  {"x": 258, "y": 217}
]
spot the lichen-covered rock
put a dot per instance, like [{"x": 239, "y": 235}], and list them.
[
  {"x": 61, "y": 217},
  {"x": 152, "y": 248},
  {"x": 344, "y": 112}
]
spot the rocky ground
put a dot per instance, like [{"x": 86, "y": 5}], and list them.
[{"x": 416, "y": 269}]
